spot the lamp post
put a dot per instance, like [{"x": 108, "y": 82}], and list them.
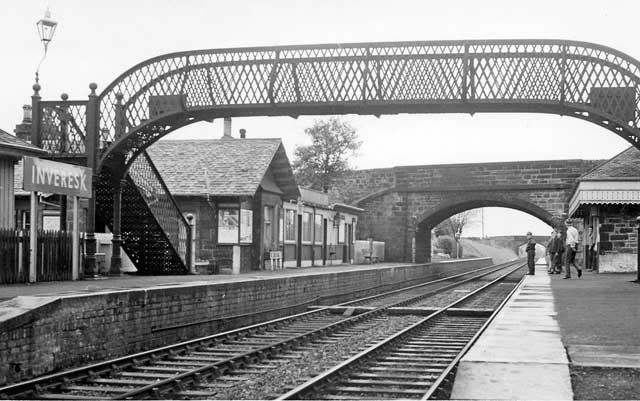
[{"x": 46, "y": 30}]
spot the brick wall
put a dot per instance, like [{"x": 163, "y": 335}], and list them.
[{"x": 80, "y": 329}]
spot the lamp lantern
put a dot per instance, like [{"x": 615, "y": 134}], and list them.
[{"x": 46, "y": 29}]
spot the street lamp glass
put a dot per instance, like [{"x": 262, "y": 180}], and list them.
[{"x": 46, "y": 28}]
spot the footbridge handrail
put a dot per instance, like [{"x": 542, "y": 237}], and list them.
[{"x": 580, "y": 79}]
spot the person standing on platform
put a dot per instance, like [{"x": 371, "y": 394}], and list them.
[
  {"x": 552, "y": 251},
  {"x": 571, "y": 248},
  {"x": 559, "y": 246},
  {"x": 591, "y": 251},
  {"x": 531, "y": 254}
]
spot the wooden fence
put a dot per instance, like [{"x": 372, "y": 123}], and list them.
[{"x": 54, "y": 256}]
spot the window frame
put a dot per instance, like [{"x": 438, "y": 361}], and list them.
[
  {"x": 318, "y": 228},
  {"x": 307, "y": 227},
  {"x": 290, "y": 224},
  {"x": 245, "y": 214}
]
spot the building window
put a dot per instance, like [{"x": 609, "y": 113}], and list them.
[
  {"x": 290, "y": 225},
  {"x": 318, "y": 228},
  {"x": 246, "y": 225},
  {"x": 307, "y": 227},
  {"x": 228, "y": 226},
  {"x": 341, "y": 229}
]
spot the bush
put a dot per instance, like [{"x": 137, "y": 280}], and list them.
[{"x": 445, "y": 244}]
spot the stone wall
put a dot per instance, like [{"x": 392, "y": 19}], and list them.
[
  {"x": 79, "y": 329},
  {"x": 618, "y": 239},
  {"x": 402, "y": 201}
]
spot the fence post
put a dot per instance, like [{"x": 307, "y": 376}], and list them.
[{"x": 20, "y": 253}]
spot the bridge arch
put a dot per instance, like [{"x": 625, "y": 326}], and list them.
[
  {"x": 428, "y": 220},
  {"x": 449, "y": 208}
]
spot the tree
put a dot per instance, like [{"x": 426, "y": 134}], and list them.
[
  {"x": 319, "y": 164},
  {"x": 454, "y": 225}
]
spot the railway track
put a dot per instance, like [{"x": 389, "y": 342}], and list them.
[
  {"x": 425, "y": 290},
  {"x": 181, "y": 368},
  {"x": 415, "y": 363}
]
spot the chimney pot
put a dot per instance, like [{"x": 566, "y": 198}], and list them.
[{"x": 26, "y": 113}]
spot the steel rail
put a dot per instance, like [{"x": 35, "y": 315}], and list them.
[
  {"x": 490, "y": 269},
  {"x": 40, "y": 385},
  {"x": 222, "y": 367},
  {"x": 421, "y": 297},
  {"x": 310, "y": 387},
  {"x": 451, "y": 369}
]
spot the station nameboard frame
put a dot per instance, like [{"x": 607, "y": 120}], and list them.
[{"x": 55, "y": 177}]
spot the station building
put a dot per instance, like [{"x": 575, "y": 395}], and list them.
[
  {"x": 12, "y": 149},
  {"x": 246, "y": 206},
  {"x": 607, "y": 198}
]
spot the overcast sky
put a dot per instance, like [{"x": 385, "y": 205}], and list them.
[{"x": 98, "y": 40}]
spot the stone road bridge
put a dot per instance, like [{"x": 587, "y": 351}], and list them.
[{"x": 402, "y": 203}]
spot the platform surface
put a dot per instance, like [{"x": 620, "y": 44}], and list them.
[
  {"x": 549, "y": 324},
  {"x": 127, "y": 282}
]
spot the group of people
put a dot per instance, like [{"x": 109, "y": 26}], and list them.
[{"x": 555, "y": 251}]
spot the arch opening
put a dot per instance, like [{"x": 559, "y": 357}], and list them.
[{"x": 435, "y": 240}]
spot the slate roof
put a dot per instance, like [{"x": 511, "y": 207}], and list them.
[
  {"x": 17, "y": 146},
  {"x": 222, "y": 167},
  {"x": 624, "y": 166}
]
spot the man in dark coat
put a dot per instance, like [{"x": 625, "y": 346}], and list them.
[{"x": 531, "y": 254}]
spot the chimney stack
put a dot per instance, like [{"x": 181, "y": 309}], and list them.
[
  {"x": 243, "y": 133},
  {"x": 226, "y": 132},
  {"x": 23, "y": 130}
]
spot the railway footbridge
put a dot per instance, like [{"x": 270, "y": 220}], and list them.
[{"x": 110, "y": 131}]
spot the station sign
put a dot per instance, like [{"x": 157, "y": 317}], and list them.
[{"x": 55, "y": 177}]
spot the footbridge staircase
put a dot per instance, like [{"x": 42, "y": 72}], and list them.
[{"x": 154, "y": 232}]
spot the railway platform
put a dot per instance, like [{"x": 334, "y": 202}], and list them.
[
  {"x": 126, "y": 282},
  {"x": 548, "y": 327}
]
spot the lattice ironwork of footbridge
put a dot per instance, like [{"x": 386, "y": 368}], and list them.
[{"x": 583, "y": 80}]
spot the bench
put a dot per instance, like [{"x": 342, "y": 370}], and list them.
[
  {"x": 275, "y": 260},
  {"x": 368, "y": 256}
]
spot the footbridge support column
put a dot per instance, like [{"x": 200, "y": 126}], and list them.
[{"x": 91, "y": 145}]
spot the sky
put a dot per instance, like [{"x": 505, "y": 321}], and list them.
[{"x": 96, "y": 41}]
